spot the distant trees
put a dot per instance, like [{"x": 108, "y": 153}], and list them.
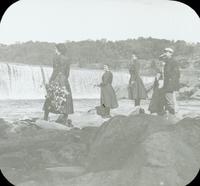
[{"x": 90, "y": 53}]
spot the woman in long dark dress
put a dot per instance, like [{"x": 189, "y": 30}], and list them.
[
  {"x": 136, "y": 88},
  {"x": 156, "y": 105},
  {"x": 59, "y": 95},
  {"x": 108, "y": 99}
]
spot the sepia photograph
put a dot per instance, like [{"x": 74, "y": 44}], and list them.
[{"x": 99, "y": 93}]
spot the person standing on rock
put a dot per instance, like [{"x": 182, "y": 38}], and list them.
[
  {"x": 108, "y": 98},
  {"x": 59, "y": 95},
  {"x": 171, "y": 82},
  {"x": 136, "y": 88}
]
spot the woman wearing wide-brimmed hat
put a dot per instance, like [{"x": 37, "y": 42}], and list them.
[{"x": 136, "y": 88}]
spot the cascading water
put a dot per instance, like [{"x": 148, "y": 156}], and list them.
[{"x": 27, "y": 82}]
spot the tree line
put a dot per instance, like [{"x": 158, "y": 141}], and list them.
[{"x": 94, "y": 53}]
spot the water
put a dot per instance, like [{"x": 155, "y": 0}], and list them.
[
  {"x": 15, "y": 110},
  {"x": 22, "y": 93},
  {"x": 19, "y": 81}
]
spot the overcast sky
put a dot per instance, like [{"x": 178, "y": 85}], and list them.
[{"x": 62, "y": 20}]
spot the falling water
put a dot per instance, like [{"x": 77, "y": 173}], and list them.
[{"x": 19, "y": 81}]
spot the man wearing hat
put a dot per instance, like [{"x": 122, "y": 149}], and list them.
[{"x": 171, "y": 76}]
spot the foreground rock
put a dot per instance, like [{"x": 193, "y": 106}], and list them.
[
  {"x": 143, "y": 150},
  {"x": 139, "y": 150},
  {"x": 32, "y": 155}
]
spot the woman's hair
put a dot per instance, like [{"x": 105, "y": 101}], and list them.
[{"x": 61, "y": 48}]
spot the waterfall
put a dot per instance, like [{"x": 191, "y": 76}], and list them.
[{"x": 19, "y": 81}]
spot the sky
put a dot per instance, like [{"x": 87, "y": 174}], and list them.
[{"x": 76, "y": 20}]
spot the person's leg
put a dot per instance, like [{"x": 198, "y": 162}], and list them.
[
  {"x": 137, "y": 102},
  {"x": 169, "y": 102},
  {"x": 62, "y": 118},
  {"x": 160, "y": 102},
  {"x": 46, "y": 115}
]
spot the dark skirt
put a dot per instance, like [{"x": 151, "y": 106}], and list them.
[
  {"x": 57, "y": 101},
  {"x": 137, "y": 90},
  {"x": 156, "y": 104},
  {"x": 108, "y": 97}
]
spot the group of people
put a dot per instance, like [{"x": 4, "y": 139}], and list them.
[{"x": 59, "y": 96}]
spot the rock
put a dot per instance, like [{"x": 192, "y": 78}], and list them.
[
  {"x": 2, "y": 121},
  {"x": 51, "y": 125},
  {"x": 188, "y": 130},
  {"x": 139, "y": 150},
  {"x": 105, "y": 178},
  {"x": 66, "y": 171},
  {"x": 29, "y": 183},
  {"x": 116, "y": 138},
  {"x": 3, "y": 128},
  {"x": 160, "y": 159},
  {"x": 196, "y": 95},
  {"x": 147, "y": 150},
  {"x": 186, "y": 92}
]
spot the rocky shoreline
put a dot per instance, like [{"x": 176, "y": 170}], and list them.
[{"x": 140, "y": 150}]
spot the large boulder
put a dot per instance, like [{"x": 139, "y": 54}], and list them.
[
  {"x": 161, "y": 159},
  {"x": 118, "y": 137},
  {"x": 146, "y": 150},
  {"x": 188, "y": 130}
]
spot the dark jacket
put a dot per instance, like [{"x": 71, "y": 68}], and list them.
[
  {"x": 136, "y": 89},
  {"x": 171, "y": 76},
  {"x": 108, "y": 96}
]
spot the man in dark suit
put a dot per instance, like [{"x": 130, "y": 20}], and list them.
[{"x": 171, "y": 76}]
